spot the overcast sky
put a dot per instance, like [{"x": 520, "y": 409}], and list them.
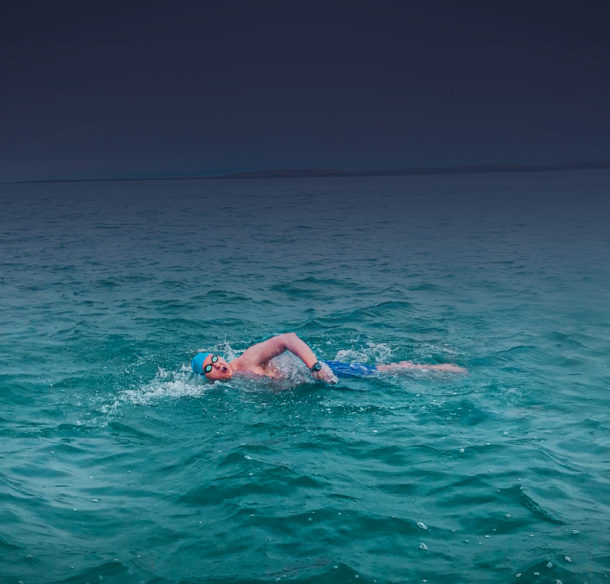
[{"x": 184, "y": 88}]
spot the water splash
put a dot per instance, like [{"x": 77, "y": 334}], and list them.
[{"x": 165, "y": 385}]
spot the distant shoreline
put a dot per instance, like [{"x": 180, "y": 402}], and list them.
[{"x": 331, "y": 172}]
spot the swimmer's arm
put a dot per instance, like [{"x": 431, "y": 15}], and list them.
[{"x": 261, "y": 353}]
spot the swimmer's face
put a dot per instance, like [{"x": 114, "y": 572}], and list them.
[{"x": 219, "y": 369}]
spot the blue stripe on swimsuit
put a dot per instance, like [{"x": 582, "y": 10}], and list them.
[{"x": 351, "y": 369}]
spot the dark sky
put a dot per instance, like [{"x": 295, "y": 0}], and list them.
[{"x": 168, "y": 88}]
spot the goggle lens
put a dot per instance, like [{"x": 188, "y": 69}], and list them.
[{"x": 208, "y": 367}]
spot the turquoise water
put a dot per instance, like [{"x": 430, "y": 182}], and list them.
[{"x": 118, "y": 465}]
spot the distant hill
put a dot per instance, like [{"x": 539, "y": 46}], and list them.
[
  {"x": 473, "y": 168},
  {"x": 335, "y": 172}
]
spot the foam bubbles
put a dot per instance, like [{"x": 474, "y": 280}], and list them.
[
  {"x": 165, "y": 385},
  {"x": 351, "y": 356},
  {"x": 373, "y": 352}
]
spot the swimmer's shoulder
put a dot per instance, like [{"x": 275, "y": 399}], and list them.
[{"x": 246, "y": 364}]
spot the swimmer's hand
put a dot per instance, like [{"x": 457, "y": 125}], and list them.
[{"x": 325, "y": 374}]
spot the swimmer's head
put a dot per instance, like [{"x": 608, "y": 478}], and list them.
[{"x": 212, "y": 367}]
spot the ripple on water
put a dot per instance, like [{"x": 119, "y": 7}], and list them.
[{"x": 112, "y": 450}]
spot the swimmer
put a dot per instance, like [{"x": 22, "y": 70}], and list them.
[{"x": 257, "y": 360}]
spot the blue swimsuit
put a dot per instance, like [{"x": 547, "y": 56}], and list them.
[{"x": 351, "y": 369}]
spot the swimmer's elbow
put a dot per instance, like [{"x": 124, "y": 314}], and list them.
[
  {"x": 290, "y": 341},
  {"x": 283, "y": 342}
]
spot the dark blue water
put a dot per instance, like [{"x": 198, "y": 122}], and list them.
[{"x": 118, "y": 465}]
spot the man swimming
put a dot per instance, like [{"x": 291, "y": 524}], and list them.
[{"x": 258, "y": 360}]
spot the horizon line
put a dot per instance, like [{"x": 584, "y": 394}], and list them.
[{"x": 338, "y": 173}]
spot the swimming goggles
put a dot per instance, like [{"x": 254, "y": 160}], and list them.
[{"x": 209, "y": 367}]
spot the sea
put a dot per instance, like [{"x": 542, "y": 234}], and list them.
[{"x": 119, "y": 465}]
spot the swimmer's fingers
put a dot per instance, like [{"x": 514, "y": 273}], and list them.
[{"x": 326, "y": 374}]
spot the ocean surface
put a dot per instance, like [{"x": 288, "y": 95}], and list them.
[{"x": 118, "y": 465}]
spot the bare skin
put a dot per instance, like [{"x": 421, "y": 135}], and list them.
[
  {"x": 256, "y": 360},
  {"x": 401, "y": 365}
]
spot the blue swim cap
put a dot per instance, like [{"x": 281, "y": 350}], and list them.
[{"x": 197, "y": 362}]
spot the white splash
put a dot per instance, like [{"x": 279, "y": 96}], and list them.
[
  {"x": 165, "y": 385},
  {"x": 373, "y": 352}
]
